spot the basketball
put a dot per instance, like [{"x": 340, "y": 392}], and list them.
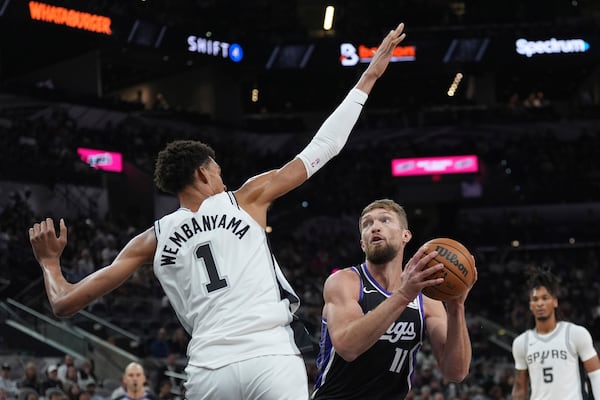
[{"x": 458, "y": 272}]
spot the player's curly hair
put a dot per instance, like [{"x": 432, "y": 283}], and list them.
[
  {"x": 543, "y": 277},
  {"x": 175, "y": 164}
]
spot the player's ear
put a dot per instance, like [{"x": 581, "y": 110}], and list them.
[
  {"x": 202, "y": 173},
  {"x": 362, "y": 245},
  {"x": 406, "y": 236}
]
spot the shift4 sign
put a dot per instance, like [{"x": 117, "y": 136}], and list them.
[{"x": 215, "y": 48}]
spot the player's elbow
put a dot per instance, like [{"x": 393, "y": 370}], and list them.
[
  {"x": 345, "y": 350},
  {"x": 348, "y": 356},
  {"x": 62, "y": 309},
  {"x": 456, "y": 375}
]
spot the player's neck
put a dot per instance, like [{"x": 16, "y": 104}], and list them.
[
  {"x": 386, "y": 274},
  {"x": 191, "y": 199},
  {"x": 136, "y": 394},
  {"x": 546, "y": 326}
]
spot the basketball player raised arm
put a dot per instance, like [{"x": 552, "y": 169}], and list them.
[{"x": 254, "y": 197}]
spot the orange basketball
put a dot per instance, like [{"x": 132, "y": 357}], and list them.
[{"x": 458, "y": 272}]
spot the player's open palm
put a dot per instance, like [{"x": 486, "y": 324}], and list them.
[
  {"x": 382, "y": 56},
  {"x": 47, "y": 247}
]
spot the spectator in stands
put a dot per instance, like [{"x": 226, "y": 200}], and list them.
[
  {"x": 178, "y": 342},
  {"x": 85, "y": 374},
  {"x": 84, "y": 265},
  {"x": 90, "y": 388},
  {"x": 119, "y": 390},
  {"x": 159, "y": 346},
  {"x": 55, "y": 394},
  {"x": 135, "y": 384},
  {"x": 30, "y": 378},
  {"x": 235, "y": 327},
  {"x": 68, "y": 361},
  {"x": 72, "y": 390},
  {"x": 8, "y": 385},
  {"x": 52, "y": 380},
  {"x": 164, "y": 391},
  {"x": 71, "y": 377},
  {"x": 83, "y": 395},
  {"x": 170, "y": 365},
  {"x": 32, "y": 396}
]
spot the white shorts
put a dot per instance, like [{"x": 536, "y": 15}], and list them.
[{"x": 277, "y": 377}]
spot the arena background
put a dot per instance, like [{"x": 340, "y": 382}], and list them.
[{"x": 255, "y": 80}]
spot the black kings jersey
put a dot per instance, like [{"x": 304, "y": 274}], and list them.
[{"x": 385, "y": 371}]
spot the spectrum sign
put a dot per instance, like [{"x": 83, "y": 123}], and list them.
[
  {"x": 100, "y": 159},
  {"x": 435, "y": 165},
  {"x": 530, "y": 48},
  {"x": 350, "y": 55}
]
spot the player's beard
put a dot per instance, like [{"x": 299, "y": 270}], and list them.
[
  {"x": 380, "y": 254},
  {"x": 542, "y": 318}
]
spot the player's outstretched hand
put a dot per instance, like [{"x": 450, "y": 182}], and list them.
[
  {"x": 47, "y": 247},
  {"x": 382, "y": 56}
]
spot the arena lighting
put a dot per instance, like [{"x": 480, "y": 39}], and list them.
[
  {"x": 69, "y": 17},
  {"x": 328, "y": 21},
  {"x": 454, "y": 86},
  {"x": 349, "y": 56},
  {"x": 435, "y": 165},
  {"x": 101, "y": 159},
  {"x": 552, "y": 46}
]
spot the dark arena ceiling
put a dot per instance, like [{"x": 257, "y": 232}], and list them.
[{"x": 285, "y": 48}]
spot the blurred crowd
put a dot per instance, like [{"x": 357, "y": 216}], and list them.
[{"x": 315, "y": 228}]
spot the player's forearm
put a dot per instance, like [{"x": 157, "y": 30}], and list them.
[
  {"x": 457, "y": 350},
  {"x": 518, "y": 393},
  {"x": 57, "y": 289},
  {"x": 367, "y": 81},
  {"x": 333, "y": 134},
  {"x": 360, "y": 335}
]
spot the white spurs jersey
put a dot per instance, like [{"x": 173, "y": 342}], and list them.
[
  {"x": 218, "y": 272},
  {"x": 553, "y": 360}
]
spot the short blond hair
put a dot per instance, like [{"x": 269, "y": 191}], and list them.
[{"x": 389, "y": 205}]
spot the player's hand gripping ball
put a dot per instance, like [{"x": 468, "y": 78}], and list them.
[{"x": 458, "y": 272}]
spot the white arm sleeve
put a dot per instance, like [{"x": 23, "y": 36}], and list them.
[
  {"x": 584, "y": 345},
  {"x": 334, "y": 132},
  {"x": 595, "y": 383}
]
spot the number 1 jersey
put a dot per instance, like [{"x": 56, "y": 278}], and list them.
[{"x": 219, "y": 274}]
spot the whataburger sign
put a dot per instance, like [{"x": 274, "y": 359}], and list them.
[{"x": 69, "y": 17}]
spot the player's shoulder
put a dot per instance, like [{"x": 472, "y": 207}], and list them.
[
  {"x": 344, "y": 274},
  {"x": 520, "y": 339},
  {"x": 575, "y": 330},
  {"x": 342, "y": 280}
]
